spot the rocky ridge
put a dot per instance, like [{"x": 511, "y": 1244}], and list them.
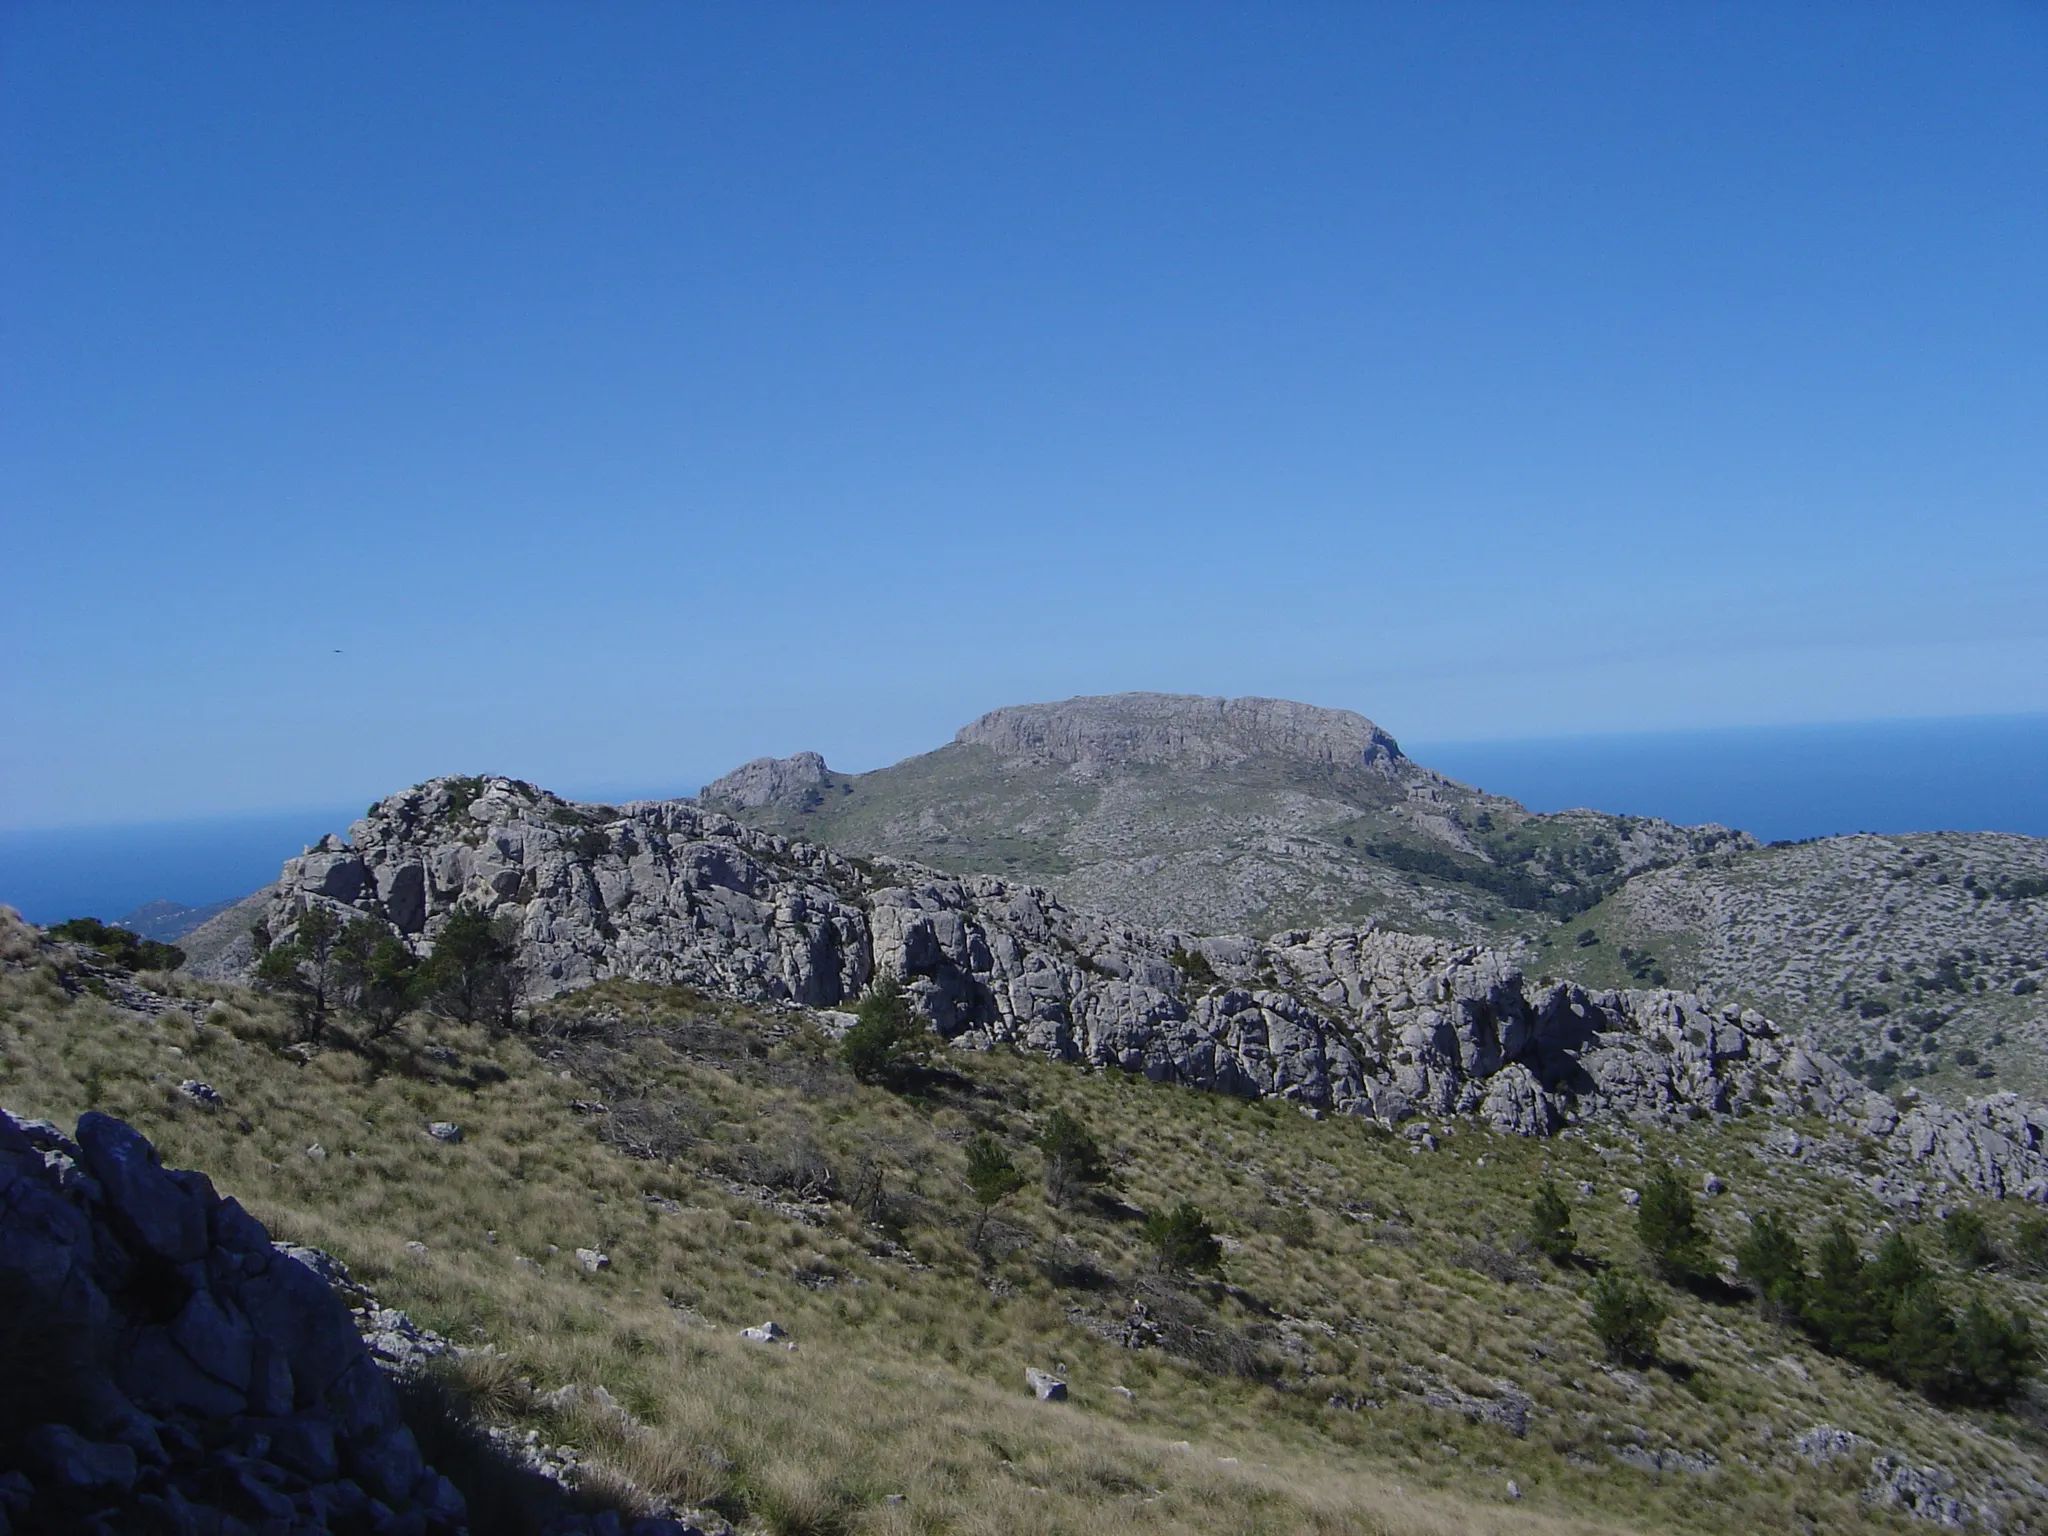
[{"x": 1359, "y": 1021}]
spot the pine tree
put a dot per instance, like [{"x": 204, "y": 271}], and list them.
[
  {"x": 885, "y": 1035},
  {"x": 306, "y": 970},
  {"x": 1840, "y": 1307},
  {"x": 1182, "y": 1240},
  {"x": 1668, "y": 1225},
  {"x": 1626, "y": 1317},
  {"x": 1771, "y": 1259},
  {"x": 1550, "y": 1225},
  {"x": 991, "y": 1178},
  {"x": 1073, "y": 1160},
  {"x": 470, "y": 975}
]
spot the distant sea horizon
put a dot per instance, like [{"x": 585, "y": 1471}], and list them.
[{"x": 1780, "y": 783}]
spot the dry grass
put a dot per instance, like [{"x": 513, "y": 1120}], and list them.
[{"x": 1388, "y": 1270}]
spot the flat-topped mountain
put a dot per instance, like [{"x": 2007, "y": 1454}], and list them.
[{"x": 1214, "y": 815}]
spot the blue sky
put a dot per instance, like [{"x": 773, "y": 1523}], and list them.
[{"x": 608, "y": 393}]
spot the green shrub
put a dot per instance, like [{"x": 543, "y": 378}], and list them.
[
  {"x": 1626, "y": 1317},
  {"x": 1073, "y": 1159},
  {"x": 470, "y": 976},
  {"x": 2030, "y": 1245},
  {"x": 1771, "y": 1259},
  {"x": 1967, "y": 1239},
  {"x": 307, "y": 971},
  {"x": 118, "y": 946},
  {"x": 886, "y": 1036},
  {"x": 1550, "y": 1225},
  {"x": 1182, "y": 1240},
  {"x": 1668, "y": 1225},
  {"x": 991, "y": 1178}
]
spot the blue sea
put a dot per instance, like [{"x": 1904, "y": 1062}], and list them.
[
  {"x": 1979, "y": 774},
  {"x": 1779, "y": 782}
]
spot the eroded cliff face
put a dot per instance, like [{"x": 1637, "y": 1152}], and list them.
[{"x": 1359, "y": 1021}]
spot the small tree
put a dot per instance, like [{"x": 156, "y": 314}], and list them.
[
  {"x": 306, "y": 971},
  {"x": 885, "y": 1036},
  {"x": 1923, "y": 1341},
  {"x": 1626, "y": 1317},
  {"x": 470, "y": 975},
  {"x": 991, "y": 1177},
  {"x": 2030, "y": 1244},
  {"x": 1993, "y": 1355},
  {"x": 1182, "y": 1240},
  {"x": 1968, "y": 1240},
  {"x": 379, "y": 975},
  {"x": 1771, "y": 1259},
  {"x": 1840, "y": 1307},
  {"x": 1668, "y": 1225},
  {"x": 1073, "y": 1160},
  {"x": 1550, "y": 1225}
]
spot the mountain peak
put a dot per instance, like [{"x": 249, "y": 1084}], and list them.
[
  {"x": 1185, "y": 730},
  {"x": 798, "y": 782}
]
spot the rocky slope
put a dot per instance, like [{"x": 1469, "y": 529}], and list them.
[
  {"x": 1911, "y": 957},
  {"x": 168, "y": 1368},
  {"x": 1216, "y": 814},
  {"x": 1360, "y": 1021}
]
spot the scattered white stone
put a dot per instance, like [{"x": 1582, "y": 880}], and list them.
[
  {"x": 768, "y": 1333},
  {"x": 444, "y": 1130},
  {"x": 592, "y": 1261},
  {"x": 1125, "y": 1393},
  {"x": 1631, "y": 1196},
  {"x": 202, "y": 1094},
  {"x": 1712, "y": 1184},
  {"x": 1585, "y": 1189},
  {"x": 1047, "y": 1387},
  {"x": 317, "y": 1153},
  {"x": 417, "y": 1249},
  {"x": 1514, "y": 1489}
]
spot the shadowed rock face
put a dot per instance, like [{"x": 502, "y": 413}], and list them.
[
  {"x": 172, "y": 1365},
  {"x": 1354, "y": 1020}
]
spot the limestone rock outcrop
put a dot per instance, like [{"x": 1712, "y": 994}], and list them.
[
  {"x": 169, "y": 1368},
  {"x": 798, "y": 782},
  {"x": 1356, "y": 1020}
]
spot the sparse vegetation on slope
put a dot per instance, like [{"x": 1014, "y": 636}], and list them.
[{"x": 1362, "y": 1362}]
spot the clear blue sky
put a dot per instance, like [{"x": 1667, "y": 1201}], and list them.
[{"x": 609, "y": 393}]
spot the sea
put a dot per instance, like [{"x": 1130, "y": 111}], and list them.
[{"x": 1780, "y": 783}]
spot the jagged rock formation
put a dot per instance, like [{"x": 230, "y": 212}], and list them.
[
  {"x": 1212, "y": 814},
  {"x": 797, "y": 782},
  {"x": 1359, "y": 1020},
  {"x": 168, "y": 1368}
]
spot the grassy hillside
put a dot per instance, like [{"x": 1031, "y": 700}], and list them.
[
  {"x": 732, "y": 1172},
  {"x": 1259, "y": 845}
]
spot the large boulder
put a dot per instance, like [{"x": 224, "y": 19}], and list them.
[{"x": 160, "y": 1338}]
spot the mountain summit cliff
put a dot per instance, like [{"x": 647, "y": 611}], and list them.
[{"x": 1127, "y": 729}]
